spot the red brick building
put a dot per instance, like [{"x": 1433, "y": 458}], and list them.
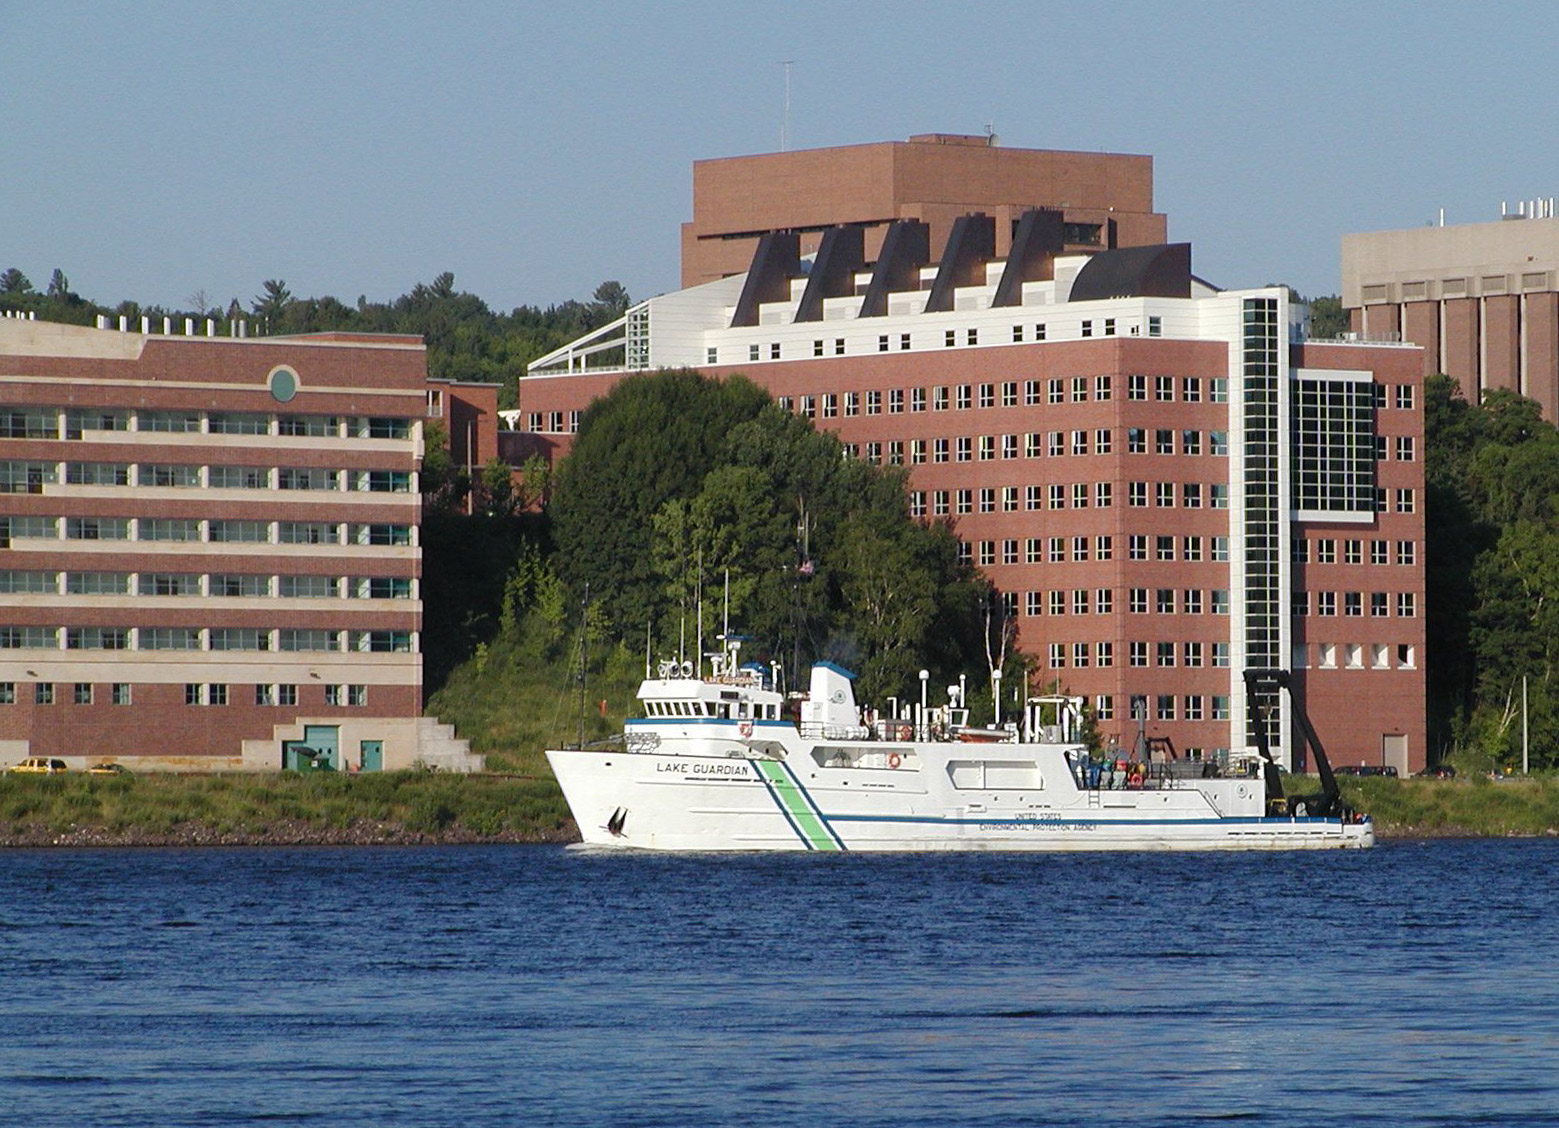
[{"x": 1168, "y": 483}]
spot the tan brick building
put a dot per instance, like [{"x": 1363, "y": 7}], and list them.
[
  {"x": 1480, "y": 299},
  {"x": 209, "y": 549}
]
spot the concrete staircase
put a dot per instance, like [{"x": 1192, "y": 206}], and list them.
[{"x": 440, "y": 749}]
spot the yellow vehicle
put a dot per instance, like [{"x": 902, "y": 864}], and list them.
[{"x": 39, "y": 765}]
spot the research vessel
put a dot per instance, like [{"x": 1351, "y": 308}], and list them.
[{"x": 724, "y": 762}]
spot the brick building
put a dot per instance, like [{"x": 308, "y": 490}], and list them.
[
  {"x": 1168, "y": 483},
  {"x": 1480, "y": 299},
  {"x": 209, "y": 549},
  {"x": 1105, "y": 199}
]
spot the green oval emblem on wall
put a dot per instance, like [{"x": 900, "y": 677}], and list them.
[{"x": 284, "y": 383}]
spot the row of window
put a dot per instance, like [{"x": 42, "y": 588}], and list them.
[
  {"x": 1353, "y": 604},
  {"x": 195, "y": 693},
  {"x": 205, "y": 584},
  {"x": 1197, "y": 655},
  {"x": 31, "y": 477},
  {"x": 1354, "y": 655},
  {"x": 286, "y": 640},
  {"x": 951, "y": 338},
  {"x": 1076, "y": 495},
  {"x": 1101, "y": 601},
  {"x": 192, "y": 529},
  {"x": 1353, "y": 551},
  {"x": 1036, "y": 444},
  {"x": 74, "y": 423}
]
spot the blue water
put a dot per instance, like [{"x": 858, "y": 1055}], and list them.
[{"x": 1415, "y": 984}]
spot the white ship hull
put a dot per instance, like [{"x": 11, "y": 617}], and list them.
[{"x": 732, "y": 798}]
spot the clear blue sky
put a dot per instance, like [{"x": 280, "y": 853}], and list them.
[{"x": 536, "y": 149}]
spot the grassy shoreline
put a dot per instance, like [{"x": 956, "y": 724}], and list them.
[{"x": 423, "y": 808}]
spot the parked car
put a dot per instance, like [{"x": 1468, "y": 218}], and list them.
[
  {"x": 1438, "y": 771},
  {"x": 106, "y": 769},
  {"x": 40, "y": 765},
  {"x": 1365, "y": 770}
]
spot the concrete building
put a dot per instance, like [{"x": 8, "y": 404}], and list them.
[
  {"x": 1481, "y": 299},
  {"x": 209, "y": 551},
  {"x": 1105, "y": 199},
  {"x": 1168, "y": 483}
]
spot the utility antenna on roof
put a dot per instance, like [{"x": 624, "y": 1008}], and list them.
[{"x": 785, "y": 125}]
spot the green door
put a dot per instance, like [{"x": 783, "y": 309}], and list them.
[
  {"x": 325, "y": 740},
  {"x": 372, "y": 753}
]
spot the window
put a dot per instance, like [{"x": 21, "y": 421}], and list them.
[
  {"x": 1299, "y": 604},
  {"x": 1009, "y": 552},
  {"x": 1218, "y": 390},
  {"x": 97, "y": 583},
  {"x": 1079, "y": 550},
  {"x": 170, "y": 477},
  {"x": 938, "y": 398},
  {"x": 1405, "y": 450},
  {"x": 176, "y": 422},
  {"x": 238, "y": 423},
  {"x": 1087, "y": 329},
  {"x": 78, "y": 422},
  {"x": 1192, "y": 652},
  {"x": 168, "y": 638},
  {"x": 382, "y": 534},
  {"x": 1138, "y": 601},
  {"x": 1057, "y": 444},
  {"x": 384, "y": 481},
  {"x": 939, "y": 450},
  {"x": 1218, "y": 493},
  {"x": 1104, "y": 654},
  {"x": 987, "y": 395},
  {"x": 1193, "y": 707},
  {"x": 240, "y": 638},
  {"x": 1031, "y": 604},
  {"x": 43, "y": 693},
  {"x": 1326, "y": 551},
  {"x": 1031, "y": 393},
  {"x": 917, "y": 452},
  {"x": 1220, "y": 549},
  {"x": 1109, "y": 326},
  {"x": 1009, "y": 446},
  {"x": 97, "y": 638},
  {"x": 30, "y": 583},
  {"x": 972, "y": 337},
  {"x": 1137, "y": 654},
  {"x": 904, "y": 342},
  {"x": 82, "y": 693},
  {"x": 1009, "y": 394},
  {"x": 939, "y": 506},
  {"x": 240, "y": 478},
  {"x": 240, "y": 585},
  {"x": 1221, "y": 661},
  {"x": 1352, "y": 551},
  {"x": 1079, "y": 442},
  {"x": 1101, "y": 441},
  {"x": 965, "y": 501},
  {"x": 383, "y": 642},
  {"x": 294, "y": 478},
  {"x": 97, "y": 528},
  {"x": 1164, "y": 389},
  {"x": 1057, "y": 391},
  {"x": 120, "y": 694},
  {"x": 1379, "y": 604},
  {"x": 830, "y": 405},
  {"x": 27, "y": 477},
  {"x": 1191, "y": 549},
  {"x": 1103, "y": 547},
  {"x": 1058, "y": 603},
  {"x": 1190, "y": 442},
  {"x": 1406, "y": 501},
  {"x": 774, "y": 350},
  {"x": 1353, "y": 604},
  {"x": 1104, "y": 602},
  {"x": 1218, "y": 443},
  {"x": 965, "y": 448},
  {"x": 1102, "y": 387},
  {"x": 1057, "y": 550},
  {"x": 1137, "y": 494},
  {"x": 1079, "y": 389},
  {"x": 1164, "y": 548},
  {"x": 1104, "y": 707},
  {"x": 1166, "y": 706},
  {"x": 962, "y": 397},
  {"x": 1136, "y": 387},
  {"x": 1219, "y": 601},
  {"x": 1079, "y": 601},
  {"x": 1009, "y": 499},
  {"x": 1405, "y": 397},
  {"x": 987, "y": 553},
  {"x": 1032, "y": 552},
  {"x": 895, "y": 401},
  {"x": 1057, "y": 497},
  {"x": 97, "y": 474},
  {"x": 1407, "y": 605},
  {"x": 1136, "y": 440},
  {"x": 239, "y": 532},
  {"x": 1190, "y": 387},
  {"x": 917, "y": 399},
  {"x": 1164, "y": 601},
  {"x": 1191, "y": 601},
  {"x": 1164, "y": 495},
  {"x": 1080, "y": 654},
  {"x": 987, "y": 448},
  {"x": 1103, "y": 495},
  {"x": 1379, "y": 552},
  {"x": 917, "y": 503},
  {"x": 1326, "y": 603},
  {"x": 1136, "y": 547},
  {"x": 264, "y": 695}
]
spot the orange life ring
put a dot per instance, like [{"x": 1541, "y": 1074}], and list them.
[
  {"x": 893, "y": 760},
  {"x": 745, "y": 728}
]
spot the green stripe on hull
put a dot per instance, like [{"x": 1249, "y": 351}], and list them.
[{"x": 798, "y": 805}]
